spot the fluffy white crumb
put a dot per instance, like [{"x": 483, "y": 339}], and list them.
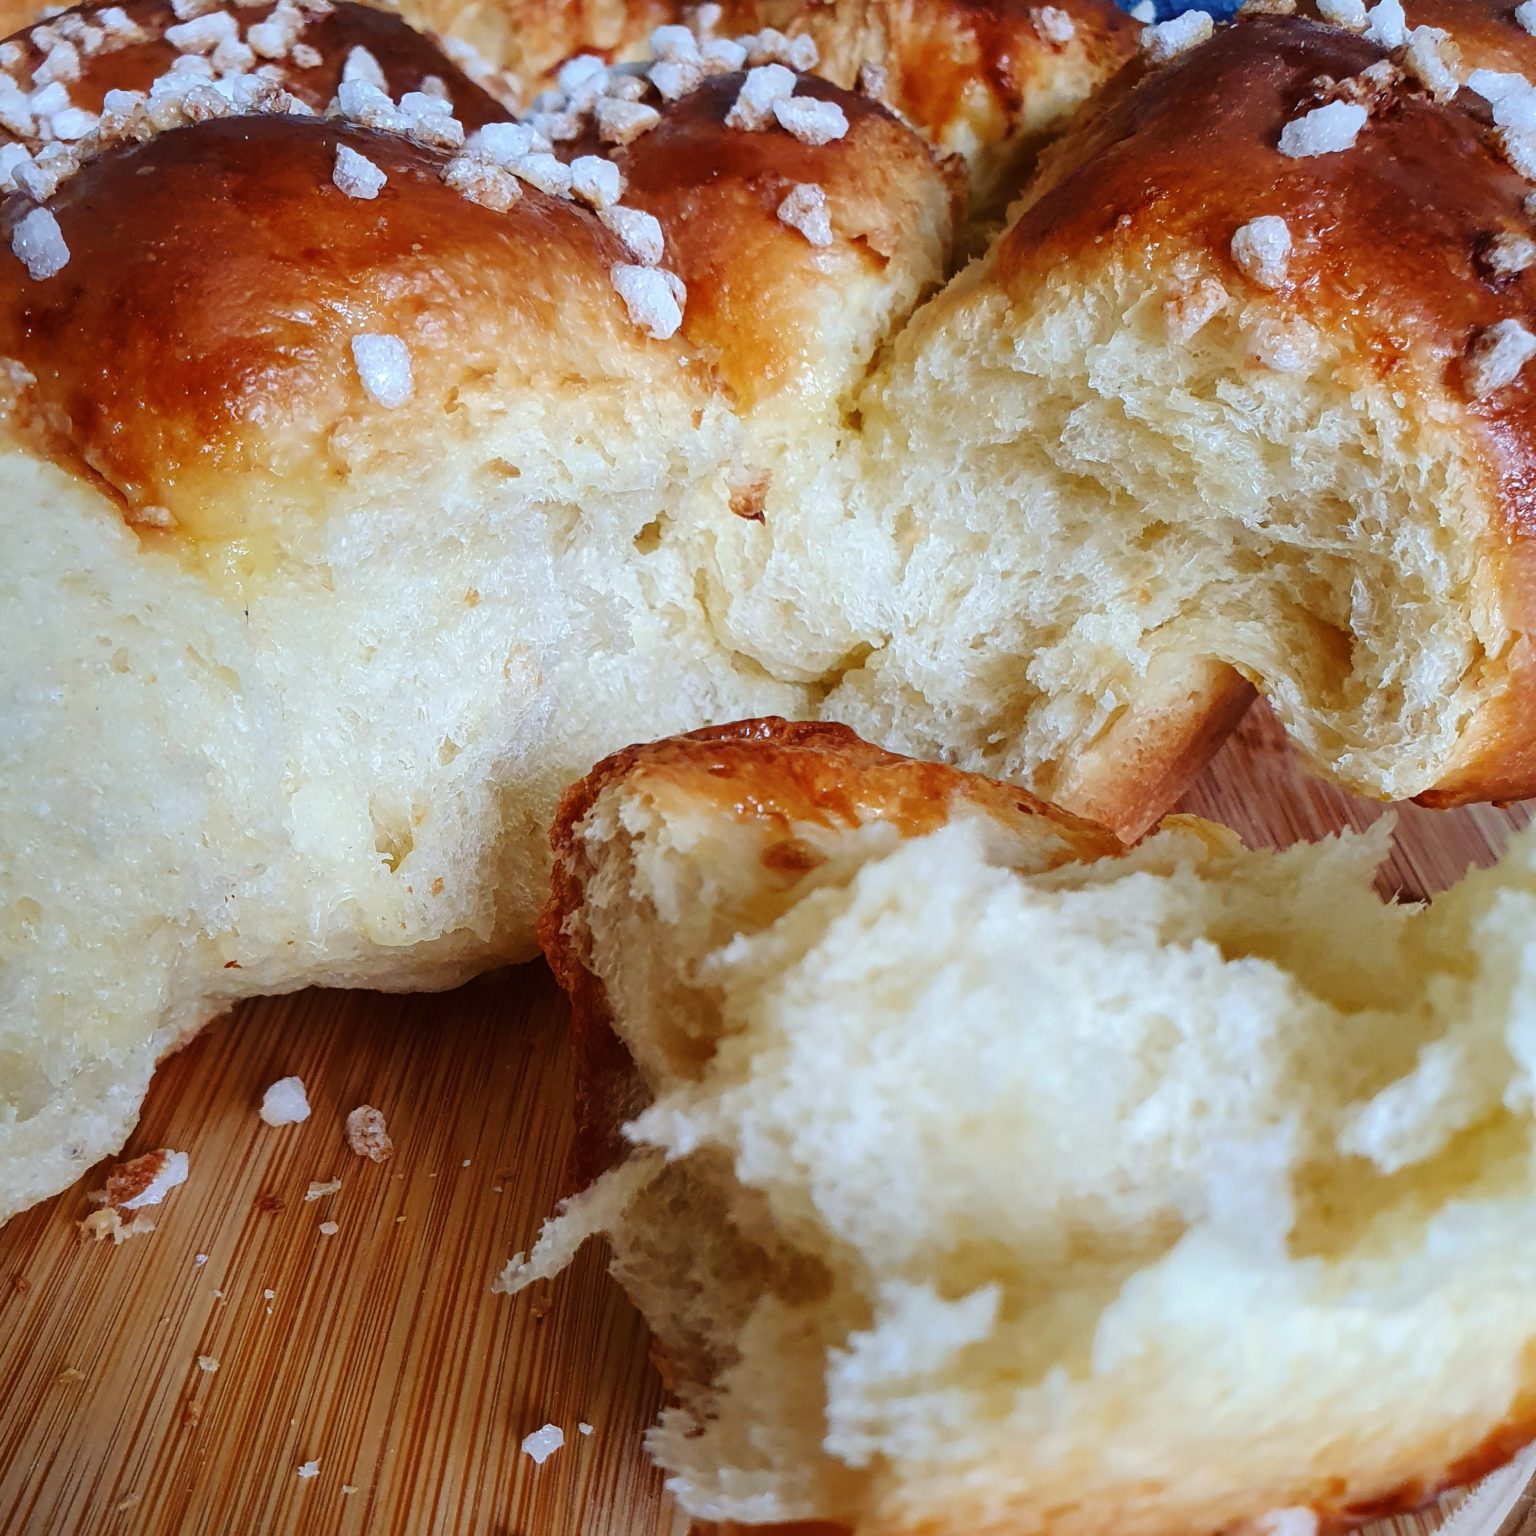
[
  {"x": 543, "y": 1443},
  {"x": 285, "y": 1102},
  {"x": 39, "y": 244},
  {"x": 1497, "y": 355},
  {"x": 1192, "y": 307},
  {"x": 329, "y": 1229},
  {"x": 384, "y": 367},
  {"x": 811, "y": 120},
  {"x": 1284, "y": 345},
  {"x": 200, "y": 1260},
  {"x": 310, "y": 1468},
  {"x": 356, "y": 174},
  {"x": 1165, "y": 40},
  {"x": 347, "y": 1488},
  {"x": 207, "y": 1363},
  {"x": 318, "y": 1191},
  {"x": 583, "y": 1428},
  {"x": 1323, "y": 131},
  {"x": 1262, "y": 250},
  {"x": 648, "y": 297},
  {"x": 108, "y": 1222},
  {"x": 367, "y": 1134},
  {"x": 268, "y": 1295},
  {"x": 805, "y": 209}
]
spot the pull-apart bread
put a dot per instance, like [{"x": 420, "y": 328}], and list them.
[
  {"x": 373, "y": 462},
  {"x": 977, "y": 1175}
]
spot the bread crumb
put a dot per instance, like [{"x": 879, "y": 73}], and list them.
[
  {"x": 1349, "y": 14},
  {"x": 285, "y": 1103},
  {"x": 39, "y": 244},
  {"x": 1053, "y": 24},
  {"x": 384, "y": 369},
  {"x": 543, "y": 1443},
  {"x": 70, "y": 1373},
  {"x": 1525, "y": 14},
  {"x": 1165, "y": 40},
  {"x": 805, "y": 209},
  {"x": 356, "y": 174},
  {"x": 367, "y": 1134},
  {"x": 207, "y": 1363},
  {"x": 1325, "y": 130},
  {"x": 107, "y": 1222},
  {"x": 1188, "y": 311},
  {"x": 811, "y": 120},
  {"x": 763, "y": 88},
  {"x": 1496, "y": 357},
  {"x": 200, "y": 1260},
  {"x": 1262, "y": 250},
  {"x": 649, "y": 297},
  {"x": 347, "y": 1488},
  {"x": 1507, "y": 254},
  {"x": 318, "y": 1191},
  {"x": 1434, "y": 61},
  {"x": 640, "y": 232},
  {"x": 310, "y": 1468},
  {"x": 268, "y": 1295},
  {"x": 1386, "y": 25},
  {"x": 145, "y": 1180},
  {"x": 583, "y": 1428},
  {"x": 329, "y": 1229}
]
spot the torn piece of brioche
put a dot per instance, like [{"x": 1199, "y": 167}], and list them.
[{"x": 983, "y": 1178}]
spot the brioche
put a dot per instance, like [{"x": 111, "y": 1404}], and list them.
[
  {"x": 372, "y": 464},
  {"x": 981, "y": 1176}
]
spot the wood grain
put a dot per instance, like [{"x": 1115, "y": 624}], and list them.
[{"x": 381, "y": 1351}]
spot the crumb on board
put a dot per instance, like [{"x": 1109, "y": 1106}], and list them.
[
  {"x": 543, "y": 1443},
  {"x": 310, "y": 1468},
  {"x": 367, "y": 1135},
  {"x": 285, "y": 1102},
  {"x": 318, "y": 1191},
  {"x": 583, "y": 1428},
  {"x": 329, "y": 1229},
  {"x": 207, "y": 1364}
]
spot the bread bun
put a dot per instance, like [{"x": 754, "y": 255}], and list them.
[
  {"x": 366, "y": 475},
  {"x": 982, "y": 1177}
]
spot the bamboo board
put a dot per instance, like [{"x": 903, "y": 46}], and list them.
[{"x": 380, "y": 1351}]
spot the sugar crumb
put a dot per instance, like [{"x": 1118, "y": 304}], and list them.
[
  {"x": 763, "y": 88},
  {"x": 810, "y": 119},
  {"x": 39, "y": 244},
  {"x": 543, "y": 1443},
  {"x": 356, "y": 174},
  {"x": 384, "y": 369},
  {"x": 1262, "y": 250},
  {"x": 285, "y": 1102},
  {"x": 1325, "y": 130},
  {"x": 805, "y": 209},
  {"x": 1496, "y": 357},
  {"x": 1348, "y": 14},
  {"x": 649, "y": 297},
  {"x": 1166, "y": 40}
]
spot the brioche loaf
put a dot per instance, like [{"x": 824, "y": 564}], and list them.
[
  {"x": 372, "y": 464},
  {"x": 983, "y": 1177}
]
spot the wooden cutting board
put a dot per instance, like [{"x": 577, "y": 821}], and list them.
[{"x": 380, "y": 1351}]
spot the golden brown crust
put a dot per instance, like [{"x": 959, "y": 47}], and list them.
[
  {"x": 778, "y": 774},
  {"x": 1141, "y": 765},
  {"x": 195, "y": 352},
  {"x": 758, "y": 294},
  {"x": 1387, "y": 237}
]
